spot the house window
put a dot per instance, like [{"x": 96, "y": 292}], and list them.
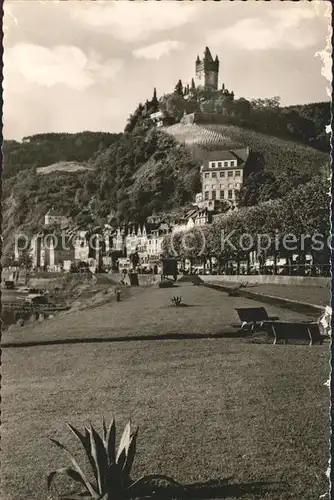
[
  {"x": 222, "y": 186},
  {"x": 221, "y": 174},
  {"x": 219, "y": 164},
  {"x": 206, "y": 195},
  {"x": 233, "y": 163},
  {"x": 207, "y": 175},
  {"x": 206, "y": 187},
  {"x": 221, "y": 194},
  {"x": 230, "y": 173},
  {"x": 237, "y": 173},
  {"x": 237, "y": 186},
  {"x": 213, "y": 165},
  {"x": 213, "y": 186},
  {"x": 225, "y": 163},
  {"x": 230, "y": 194},
  {"x": 214, "y": 174},
  {"x": 213, "y": 195}
]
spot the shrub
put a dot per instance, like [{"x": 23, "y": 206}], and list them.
[
  {"x": 234, "y": 292},
  {"x": 176, "y": 301}
]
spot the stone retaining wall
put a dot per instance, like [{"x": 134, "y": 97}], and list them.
[
  {"x": 269, "y": 279},
  {"x": 144, "y": 279}
]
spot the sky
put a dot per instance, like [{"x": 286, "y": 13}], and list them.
[{"x": 84, "y": 65}]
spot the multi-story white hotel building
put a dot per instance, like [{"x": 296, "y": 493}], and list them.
[{"x": 222, "y": 176}]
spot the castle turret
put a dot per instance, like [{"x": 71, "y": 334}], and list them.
[{"x": 207, "y": 70}]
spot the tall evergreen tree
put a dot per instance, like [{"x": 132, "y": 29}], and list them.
[
  {"x": 179, "y": 88},
  {"x": 154, "y": 102}
]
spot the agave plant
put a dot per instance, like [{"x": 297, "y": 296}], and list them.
[
  {"x": 176, "y": 301},
  {"x": 111, "y": 467}
]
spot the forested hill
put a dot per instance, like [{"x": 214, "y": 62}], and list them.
[
  {"x": 141, "y": 172},
  {"x": 134, "y": 174},
  {"x": 42, "y": 150}
]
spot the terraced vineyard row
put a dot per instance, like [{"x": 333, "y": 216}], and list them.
[
  {"x": 197, "y": 135},
  {"x": 279, "y": 155}
]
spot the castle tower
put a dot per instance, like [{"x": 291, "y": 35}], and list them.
[{"x": 207, "y": 71}]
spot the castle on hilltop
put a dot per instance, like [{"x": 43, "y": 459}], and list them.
[
  {"x": 202, "y": 93},
  {"x": 207, "y": 77}
]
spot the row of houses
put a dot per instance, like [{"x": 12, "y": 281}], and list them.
[{"x": 58, "y": 244}]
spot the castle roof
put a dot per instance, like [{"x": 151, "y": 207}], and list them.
[
  {"x": 208, "y": 62},
  {"x": 207, "y": 54}
]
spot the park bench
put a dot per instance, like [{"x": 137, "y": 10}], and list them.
[
  {"x": 253, "y": 317},
  {"x": 294, "y": 331}
]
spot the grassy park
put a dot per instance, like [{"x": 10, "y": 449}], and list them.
[{"x": 232, "y": 417}]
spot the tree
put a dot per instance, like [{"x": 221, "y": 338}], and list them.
[
  {"x": 242, "y": 108},
  {"x": 25, "y": 262},
  {"x": 258, "y": 187},
  {"x": 134, "y": 118},
  {"x": 271, "y": 102},
  {"x": 174, "y": 106},
  {"x": 154, "y": 103},
  {"x": 207, "y": 107},
  {"x": 134, "y": 258}
]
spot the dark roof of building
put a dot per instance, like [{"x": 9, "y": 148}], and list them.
[
  {"x": 223, "y": 155},
  {"x": 53, "y": 212},
  {"x": 243, "y": 154},
  {"x": 190, "y": 213},
  {"x": 151, "y": 226}
]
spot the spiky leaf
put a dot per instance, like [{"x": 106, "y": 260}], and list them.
[
  {"x": 65, "y": 471},
  {"x": 88, "y": 485},
  {"x": 121, "y": 460},
  {"x": 85, "y": 441},
  {"x": 110, "y": 441},
  {"x": 131, "y": 454},
  {"x": 104, "y": 430},
  {"x": 125, "y": 441}
]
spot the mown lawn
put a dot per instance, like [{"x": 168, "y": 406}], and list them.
[
  {"x": 317, "y": 295},
  {"x": 208, "y": 410},
  {"x": 147, "y": 311}
]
